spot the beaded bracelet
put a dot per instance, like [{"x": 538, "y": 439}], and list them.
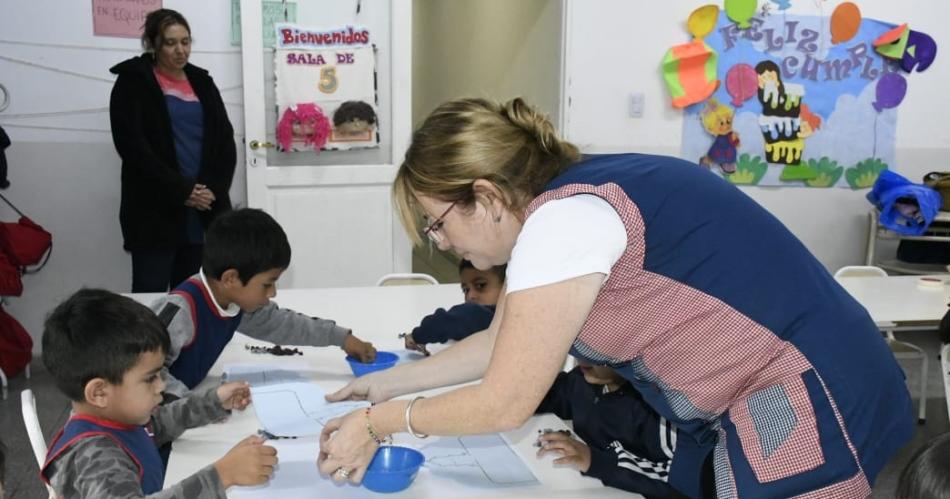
[
  {"x": 372, "y": 431},
  {"x": 409, "y": 418}
]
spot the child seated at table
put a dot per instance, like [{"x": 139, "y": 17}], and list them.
[
  {"x": 927, "y": 475},
  {"x": 245, "y": 252},
  {"x": 628, "y": 445},
  {"x": 105, "y": 353},
  {"x": 480, "y": 290}
]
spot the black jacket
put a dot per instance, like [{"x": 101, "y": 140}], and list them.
[
  {"x": 631, "y": 446},
  {"x": 456, "y": 323},
  {"x": 152, "y": 213}
]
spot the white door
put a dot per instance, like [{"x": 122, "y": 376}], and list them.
[{"x": 334, "y": 205}]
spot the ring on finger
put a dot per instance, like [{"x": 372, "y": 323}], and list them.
[{"x": 342, "y": 472}]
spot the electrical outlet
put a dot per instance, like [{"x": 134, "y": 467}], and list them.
[{"x": 636, "y": 104}]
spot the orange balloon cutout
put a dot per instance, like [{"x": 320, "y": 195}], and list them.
[
  {"x": 845, "y": 22},
  {"x": 702, "y": 20}
]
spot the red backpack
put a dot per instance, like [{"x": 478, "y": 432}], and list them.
[{"x": 16, "y": 346}]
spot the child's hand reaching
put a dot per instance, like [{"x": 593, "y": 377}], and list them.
[
  {"x": 574, "y": 453},
  {"x": 412, "y": 345},
  {"x": 234, "y": 395},
  {"x": 359, "y": 349},
  {"x": 250, "y": 462}
]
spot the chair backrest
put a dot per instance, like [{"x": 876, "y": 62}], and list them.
[
  {"x": 33, "y": 430},
  {"x": 405, "y": 279},
  {"x": 860, "y": 271}
]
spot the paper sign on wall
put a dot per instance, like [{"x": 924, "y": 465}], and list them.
[
  {"x": 121, "y": 18},
  {"x": 326, "y": 88}
]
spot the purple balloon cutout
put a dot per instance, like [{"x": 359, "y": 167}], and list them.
[
  {"x": 921, "y": 52},
  {"x": 741, "y": 83},
  {"x": 890, "y": 91}
]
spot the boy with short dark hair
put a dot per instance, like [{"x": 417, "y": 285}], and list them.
[
  {"x": 105, "y": 352},
  {"x": 628, "y": 444},
  {"x": 480, "y": 289},
  {"x": 245, "y": 253}
]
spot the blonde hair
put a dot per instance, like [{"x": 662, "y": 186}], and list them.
[
  {"x": 511, "y": 144},
  {"x": 712, "y": 112}
]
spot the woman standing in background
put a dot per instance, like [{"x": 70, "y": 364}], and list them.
[{"x": 171, "y": 129}]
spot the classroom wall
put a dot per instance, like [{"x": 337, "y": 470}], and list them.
[
  {"x": 496, "y": 49},
  {"x": 615, "y": 48},
  {"x": 63, "y": 167}
]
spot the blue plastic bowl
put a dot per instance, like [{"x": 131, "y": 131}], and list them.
[
  {"x": 392, "y": 469},
  {"x": 384, "y": 360}
]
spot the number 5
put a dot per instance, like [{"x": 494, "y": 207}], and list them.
[{"x": 328, "y": 80}]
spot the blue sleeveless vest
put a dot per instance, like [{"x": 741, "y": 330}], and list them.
[
  {"x": 726, "y": 324},
  {"x": 212, "y": 334},
  {"x": 134, "y": 440}
]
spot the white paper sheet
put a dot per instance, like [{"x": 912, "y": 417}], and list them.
[
  {"x": 454, "y": 468},
  {"x": 295, "y": 409}
]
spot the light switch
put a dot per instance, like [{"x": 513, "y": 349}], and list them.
[{"x": 636, "y": 105}]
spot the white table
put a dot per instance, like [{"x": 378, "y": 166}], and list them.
[
  {"x": 899, "y": 300},
  {"x": 375, "y": 314},
  {"x": 899, "y": 303}
]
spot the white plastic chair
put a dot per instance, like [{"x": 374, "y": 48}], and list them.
[
  {"x": 405, "y": 279},
  {"x": 34, "y": 431},
  {"x": 902, "y": 350},
  {"x": 945, "y": 368}
]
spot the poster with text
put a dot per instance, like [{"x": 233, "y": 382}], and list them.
[
  {"x": 121, "y": 18},
  {"x": 794, "y": 108},
  {"x": 326, "y": 89}
]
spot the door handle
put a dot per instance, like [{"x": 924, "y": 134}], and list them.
[{"x": 256, "y": 144}]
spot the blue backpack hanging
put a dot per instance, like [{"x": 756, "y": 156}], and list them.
[{"x": 893, "y": 194}]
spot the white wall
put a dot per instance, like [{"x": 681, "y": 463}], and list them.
[
  {"x": 497, "y": 49},
  {"x": 615, "y": 48},
  {"x": 63, "y": 167}
]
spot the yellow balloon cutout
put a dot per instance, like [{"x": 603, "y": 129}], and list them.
[
  {"x": 702, "y": 21},
  {"x": 741, "y": 11},
  {"x": 845, "y": 22}
]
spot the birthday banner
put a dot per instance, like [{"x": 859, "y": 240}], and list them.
[
  {"x": 325, "y": 88},
  {"x": 777, "y": 99}
]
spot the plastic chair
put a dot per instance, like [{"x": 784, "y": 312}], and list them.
[
  {"x": 902, "y": 350},
  {"x": 34, "y": 431},
  {"x": 405, "y": 279}
]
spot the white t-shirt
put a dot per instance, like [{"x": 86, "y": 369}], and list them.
[{"x": 566, "y": 238}]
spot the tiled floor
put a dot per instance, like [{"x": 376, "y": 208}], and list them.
[{"x": 22, "y": 479}]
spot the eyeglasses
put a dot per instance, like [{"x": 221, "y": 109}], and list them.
[{"x": 432, "y": 230}]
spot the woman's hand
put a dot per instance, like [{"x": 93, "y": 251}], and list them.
[
  {"x": 367, "y": 387},
  {"x": 201, "y": 198},
  {"x": 346, "y": 448}
]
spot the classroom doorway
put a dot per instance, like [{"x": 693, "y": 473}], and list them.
[{"x": 496, "y": 49}]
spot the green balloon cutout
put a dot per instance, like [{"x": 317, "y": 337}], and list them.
[{"x": 741, "y": 11}]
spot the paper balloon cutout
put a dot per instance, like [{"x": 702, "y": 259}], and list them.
[
  {"x": 893, "y": 43},
  {"x": 921, "y": 51},
  {"x": 741, "y": 11},
  {"x": 702, "y": 20},
  {"x": 845, "y": 22},
  {"x": 782, "y": 4},
  {"x": 890, "y": 91},
  {"x": 742, "y": 83},
  {"x": 689, "y": 71}
]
